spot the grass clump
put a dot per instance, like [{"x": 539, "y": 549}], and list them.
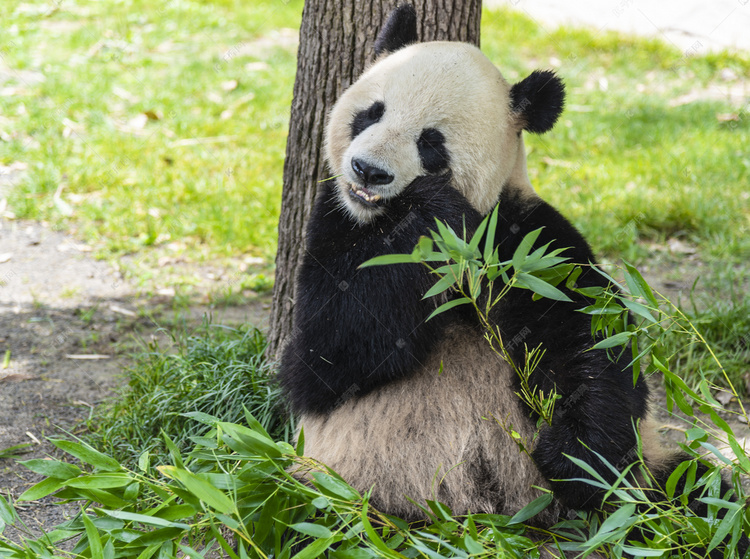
[
  {"x": 219, "y": 372},
  {"x": 725, "y": 359}
]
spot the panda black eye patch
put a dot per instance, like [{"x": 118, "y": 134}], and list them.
[
  {"x": 367, "y": 117},
  {"x": 432, "y": 150}
]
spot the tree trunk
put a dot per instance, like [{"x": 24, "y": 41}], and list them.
[{"x": 336, "y": 42}]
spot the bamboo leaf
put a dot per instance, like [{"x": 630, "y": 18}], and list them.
[
  {"x": 532, "y": 509},
  {"x": 88, "y": 455},
  {"x": 614, "y": 341},
  {"x": 95, "y": 544},
  {"x": 202, "y": 417},
  {"x": 190, "y": 552},
  {"x": 52, "y": 468},
  {"x": 144, "y": 461},
  {"x": 174, "y": 452},
  {"x": 149, "y": 551},
  {"x": 641, "y": 310},
  {"x": 199, "y": 487},
  {"x": 500, "y": 269},
  {"x": 41, "y": 489},
  {"x": 489, "y": 242},
  {"x": 109, "y": 549},
  {"x": 423, "y": 248},
  {"x": 300, "y": 450},
  {"x": 523, "y": 248},
  {"x": 373, "y": 535},
  {"x": 716, "y": 452},
  {"x": 621, "y": 518},
  {"x": 638, "y": 286},
  {"x": 472, "y": 546},
  {"x": 447, "y": 306},
  {"x": 546, "y": 263},
  {"x": 443, "y": 284},
  {"x": 617, "y": 523},
  {"x": 540, "y": 287},
  {"x": 249, "y": 440},
  {"x": 739, "y": 452},
  {"x": 334, "y": 487},
  {"x": 596, "y": 310},
  {"x": 310, "y": 529},
  {"x": 642, "y": 551},
  {"x": 144, "y": 519},
  {"x": 477, "y": 237},
  {"x": 99, "y": 481},
  {"x": 674, "y": 478},
  {"x": 317, "y": 548},
  {"x": 7, "y": 512},
  {"x": 725, "y": 526},
  {"x": 388, "y": 259}
]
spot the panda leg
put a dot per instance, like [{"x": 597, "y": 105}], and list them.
[
  {"x": 578, "y": 431},
  {"x": 599, "y": 422}
]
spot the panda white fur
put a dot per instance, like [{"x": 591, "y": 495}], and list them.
[{"x": 434, "y": 130}]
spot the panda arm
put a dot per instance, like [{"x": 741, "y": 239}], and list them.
[
  {"x": 355, "y": 329},
  {"x": 599, "y": 404}
]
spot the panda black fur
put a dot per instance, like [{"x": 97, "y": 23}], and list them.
[
  {"x": 434, "y": 130},
  {"x": 356, "y": 330}
]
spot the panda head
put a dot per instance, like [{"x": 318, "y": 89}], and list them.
[{"x": 430, "y": 109}]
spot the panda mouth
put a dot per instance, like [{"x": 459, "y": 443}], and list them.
[{"x": 364, "y": 196}]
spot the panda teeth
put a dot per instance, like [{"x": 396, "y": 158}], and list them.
[{"x": 365, "y": 195}]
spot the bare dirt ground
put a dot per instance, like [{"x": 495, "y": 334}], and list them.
[{"x": 68, "y": 323}]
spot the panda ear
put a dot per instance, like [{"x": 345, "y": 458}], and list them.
[
  {"x": 399, "y": 31},
  {"x": 538, "y": 101}
]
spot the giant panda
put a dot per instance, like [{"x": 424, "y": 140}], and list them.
[{"x": 415, "y": 409}]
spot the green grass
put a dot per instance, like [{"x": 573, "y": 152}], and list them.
[
  {"x": 626, "y": 166},
  {"x": 203, "y": 169},
  {"x": 217, "y": 371},
  {"x": 14, "y": 451},
  {"x": 723, "y": 319},
  {"x": 622, "y": 163}
]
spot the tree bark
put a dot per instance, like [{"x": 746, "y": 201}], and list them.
[{"x": 336, "y": 42}]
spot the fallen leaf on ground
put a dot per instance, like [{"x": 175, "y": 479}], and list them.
[
  {"x": 728, "y": 117},
  {"x": 138, "y": 121},
  {"x": 677, "y": 246},
  {"x": 82, "y": 403},
  {"x": 67, "y": 247},
  {"x": 256, "y": 66},
  {"x": 120, "y": 310},
  {"x": 17, "y": 377}
]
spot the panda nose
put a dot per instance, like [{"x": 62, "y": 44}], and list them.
[{"x": 370, "y": 174}]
